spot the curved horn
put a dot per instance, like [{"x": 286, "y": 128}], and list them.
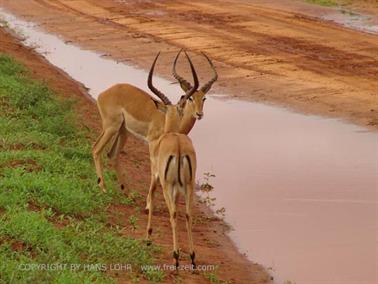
[
  {"x": 205, "y": 88},
  {"x": 163, "y": 97},
  {"x": 189, "y": 93},
  {"x": 185, "y": 85}
]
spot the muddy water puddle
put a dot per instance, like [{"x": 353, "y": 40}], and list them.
[
  {"x": 353, "y": 20},
  {"x": 300, "y": 191}
]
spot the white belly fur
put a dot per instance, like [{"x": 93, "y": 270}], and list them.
[{"x": 135, "y": 127}]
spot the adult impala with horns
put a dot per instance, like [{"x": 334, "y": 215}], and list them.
[{"x": 126, "y": 109}]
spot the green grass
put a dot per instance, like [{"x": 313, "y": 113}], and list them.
[
  {"x": 327, "y": 3},
  {"x": 51, "y": 209},
  {"x": 213, "y": 278}
]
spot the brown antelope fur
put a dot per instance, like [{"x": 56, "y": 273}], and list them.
[
  {"x": 173, "y": 163},
  {"x": 127, "y": 109}
]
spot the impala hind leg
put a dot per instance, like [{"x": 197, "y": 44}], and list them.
[
  {"x": 114, "y": 153},
  {"x": 97, "y": 150},
  {"x": 153, "y": 179},
  {"x": 150, "y": 207},
  {"x": 170, "y": 196},
  {"x": 189, "y": 221}
]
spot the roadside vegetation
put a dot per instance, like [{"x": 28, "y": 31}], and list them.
[
  {"x": 51, "y": 210},
  {"x": 328, "y": 3},
  {"x": 344, "y": 3}
]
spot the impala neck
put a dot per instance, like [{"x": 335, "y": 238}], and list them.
[
  {"x": 172, "y": 120},
  {"x": 187, "y": 121}
]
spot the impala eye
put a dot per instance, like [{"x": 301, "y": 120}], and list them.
[
  {"x": 191, "y": 99},
  {"x": 204, "y": 99}
]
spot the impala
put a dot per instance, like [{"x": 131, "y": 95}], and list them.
[
  {"x": 126, "y": 109},
  {"x": 173, "y": 162}
]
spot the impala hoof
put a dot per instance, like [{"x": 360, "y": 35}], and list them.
[
  {"x": 101, "y": 184},
  {"x": 192, "y": 257},
  {"x": 176, "y": 256}
]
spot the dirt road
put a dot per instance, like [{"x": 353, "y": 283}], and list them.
[{"x": 269, "y": 51}]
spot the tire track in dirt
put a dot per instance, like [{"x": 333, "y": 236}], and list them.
[{"x": 238, "y": 48}]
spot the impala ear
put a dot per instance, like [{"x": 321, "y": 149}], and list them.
[
  {"x": 185, "y": 87},
  {"x": 160, "y": 106}
]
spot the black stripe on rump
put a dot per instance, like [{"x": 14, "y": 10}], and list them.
[
  {"x": 179, "y": 171},
  {"x": 190, "y": 166},
  {"x": 167, "y": 167}
]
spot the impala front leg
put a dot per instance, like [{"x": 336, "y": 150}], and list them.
[{"x": 98, "y": 148}]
